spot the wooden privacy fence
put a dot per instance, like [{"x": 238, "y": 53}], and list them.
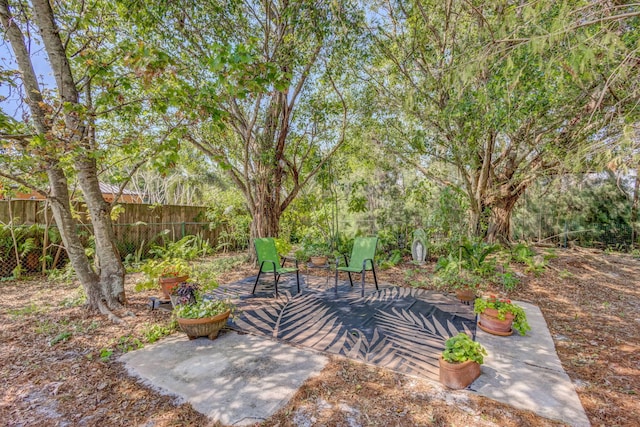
[
  {"x": 137, "y": 227},
  {"x": 33, "y": 212}
]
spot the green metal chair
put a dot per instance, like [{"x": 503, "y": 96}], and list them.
[
  {"x": 362, "y": 254},
  {"x": 269, "y": 261}
]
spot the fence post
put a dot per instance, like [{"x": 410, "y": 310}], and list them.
[{"x": 183, "y": 229}]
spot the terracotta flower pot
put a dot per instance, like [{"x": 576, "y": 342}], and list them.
[
  {"x": 318, "y": 260},
  {"x": 489, "y": 322},
  {"x": 466, "y": 295},
  {"x": 168, "y": 284},
  {"x": 458, "y": 375},
  {"x": 204, "y": 327}
]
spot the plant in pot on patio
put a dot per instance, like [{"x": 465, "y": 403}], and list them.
[
  {"x": 204, "y": 317},
  {"x": 317, "y": 252},
  {"x": 450, "y": 274},
  {"x": 460, "y": 361},
  {"x": 167, "y": 273},
  {"x": 500, "y": 316}
]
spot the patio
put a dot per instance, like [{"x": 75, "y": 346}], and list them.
[{"x": 401, "y": 329}]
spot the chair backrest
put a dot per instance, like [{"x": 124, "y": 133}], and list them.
[
  {"x": 266, "y": 251},
  {"x": 363, "y": 248}
]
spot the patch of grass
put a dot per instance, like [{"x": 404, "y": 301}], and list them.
[
  {"x": 153, "y": 332},
  {"x": 105, "y": 354},
  {"x": 26, "y": 311},
  {"x": 46, "y": 327},
  {"x": 127, "y": 343},
  {"x": 62, "y": 336},
  {"x": 565, "y": 274},
  {"x": 508, "y": 280},
  {"x": 77, "y": 299}
]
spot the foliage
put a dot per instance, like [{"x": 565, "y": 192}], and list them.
[
  {"x": 154, "y": 269},
  {"x": 474, "y": 256},
  {"x": 315, "y": 248},
  {"x": 153, "y": 332},
  {"x": 460, "y": 348},
  {"x": 187, "y": 248},
  {"x": 508, "y": 280},
  {"x": 451, "y": 274},
  {"x": 504, "y": 306},
  {"x": 186, "y": 292},
  {"x": 202, "y": 308},
  {"x": 283, "y": 246}
]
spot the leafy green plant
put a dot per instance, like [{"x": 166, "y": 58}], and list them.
[
  {"x": 504, "y": 306},
  {"x": 152, "y": 333},
  {"x": 26, "y": 310},
  {"x": 508, "y": 280},
  {"x": 451, "y": 274},
  {"x": 105, "y": 354},
  {"x": 154, "y": 269},
  {"x": 187, "y": 248},
  {"x": 127, "y": 343},
  {"x": 62, "y": 336},
  {"x": 78, "y": 299},
  {"x": 394, "y": 259},
  {"x": 474, "y": 256},
  {"x": 202, "y": 308},
  {"x": 460, "y": 348}
]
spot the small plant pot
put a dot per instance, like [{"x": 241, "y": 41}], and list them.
[
  {"x": 488, "y": 321},
  {"x": 457, "y": 376},
  {"x": 204, "y": 327},
  {"x": 318, "y": 260},
  {"x": 466, "y": 295},
  {"x": 168, "y": 284}
]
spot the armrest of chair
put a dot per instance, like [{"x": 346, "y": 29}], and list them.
[
  {"x": 289, "y": 258},
  {"x": 364, "y": 263}
]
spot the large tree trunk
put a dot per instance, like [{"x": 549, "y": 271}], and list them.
[
  {"x": 108, "y": 260},
  {"x": 499, "y": 229},
  {"x": 111, "y": 284}
]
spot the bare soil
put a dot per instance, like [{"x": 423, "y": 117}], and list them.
[{"x": 58, "y": 363}]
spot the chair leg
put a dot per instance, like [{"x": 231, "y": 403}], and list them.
[
  {"x": 375, "y": 279},
  {"x": 350, "y": 281},
  {"x": 256, "y": 284},
  {"x": 276, "y": 277},
  {"x": 362, "y": 293},
  {"x": 298, "y": 280},
  {"x": 336, "y": 281}
]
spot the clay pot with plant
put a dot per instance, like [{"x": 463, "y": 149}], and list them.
[
  {"x": 499, "y": 316},
  {"x": 460, "y": 361},
  {"x": 199, "y": 316},
  {"x": 167, "y": 273}
]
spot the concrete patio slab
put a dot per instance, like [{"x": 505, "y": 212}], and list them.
[
  {"x": 525, "y": 372},
  {"x": 235, "y": 379}
]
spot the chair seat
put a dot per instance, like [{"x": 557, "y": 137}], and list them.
[
  {"x": 285, "y": 270},
  {"x": 352, "y": 269}
]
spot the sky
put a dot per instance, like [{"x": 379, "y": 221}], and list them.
[{"x": 12, "y": 105}]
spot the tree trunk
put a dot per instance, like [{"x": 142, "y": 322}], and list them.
[
  {"x": 61, "y": 208},
  {"x": 500, "y": 219},
  {"x": 111, "y": 270},
  {"x": 110, "y": 288},
  {"x": 110, "y": 266}
]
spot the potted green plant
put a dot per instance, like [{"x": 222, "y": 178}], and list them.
[
  {"x": 167, "y": 273},
  {"x": 200, "y": 316},
  {"x": 500, "y": 316},
  {"x": 317, "y": 252},
  {"x": 450, "y": 275},
  {"x": 460, "y": 361}
]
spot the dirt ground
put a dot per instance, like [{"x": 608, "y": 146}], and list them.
[{"x": 58, "y": 364}]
